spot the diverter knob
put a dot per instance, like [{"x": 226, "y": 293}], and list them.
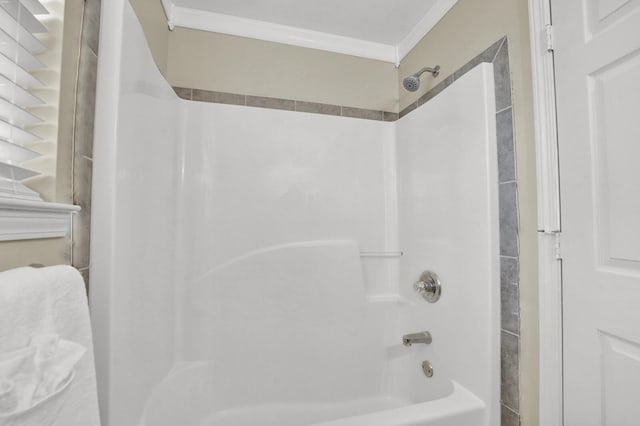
[{"x": 429, "y": 286}]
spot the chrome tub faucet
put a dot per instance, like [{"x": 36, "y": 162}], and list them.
[{"x": 413, "y": 338}]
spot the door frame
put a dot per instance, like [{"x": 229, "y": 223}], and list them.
[{"x": 549, "y": 224}]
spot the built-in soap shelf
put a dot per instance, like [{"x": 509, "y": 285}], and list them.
[{"x": 380, "y": 253}]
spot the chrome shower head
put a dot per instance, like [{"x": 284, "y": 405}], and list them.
[{"x": 412, "y": 82}]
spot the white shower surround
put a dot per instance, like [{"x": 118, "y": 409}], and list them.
[{"x": 227, "y": 282}]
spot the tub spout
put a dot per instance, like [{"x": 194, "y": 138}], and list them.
[{"x": 410, "y": 339}]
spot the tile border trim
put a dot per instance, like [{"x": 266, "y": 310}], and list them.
[{"x": 210, "y": 96}]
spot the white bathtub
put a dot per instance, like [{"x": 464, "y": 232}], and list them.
[
  {"x": 286, "y": 337},
  {"x": 185, "y": 402}
]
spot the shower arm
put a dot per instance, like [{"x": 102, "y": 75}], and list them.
[{"x": 434, "y": 71}]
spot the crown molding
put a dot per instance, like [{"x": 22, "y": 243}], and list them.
[
  {"x": 243, "y": 27},
  {"x": 426, "y": 24},
  {"x": 178, "y": 16},
  {"x": 167, "y": 7}
]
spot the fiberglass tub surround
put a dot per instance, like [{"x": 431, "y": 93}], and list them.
[{"x": 266, "y": 283}]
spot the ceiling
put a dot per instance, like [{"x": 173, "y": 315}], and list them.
[
  {"x": 381, "y": 21},
  {"x": 379, "y": 29}
]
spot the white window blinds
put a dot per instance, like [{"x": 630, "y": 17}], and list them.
[{"x": 18, "y": 47}]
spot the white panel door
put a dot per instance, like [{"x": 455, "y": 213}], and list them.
[{"x": 597, "y": 48}]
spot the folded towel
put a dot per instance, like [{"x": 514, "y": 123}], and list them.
[
  {"x": 8, "y": 397},
  {"x": 47, "y": 373},
  {"x": 32, "y": 375},
  {"x": 18, "y": 362},
  {"x": 55, "y": 361},
  {"x": 18, "y": 377}
]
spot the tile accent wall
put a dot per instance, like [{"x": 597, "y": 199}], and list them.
[
  {"x": 83, "y": 136},
  {"x": 284, "y": 104},
  {"x": 498, "y": 55}
]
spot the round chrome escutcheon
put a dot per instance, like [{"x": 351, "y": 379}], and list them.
[
  {"x": 427, "y": 368},
  {"x": 429, "y": 286}
]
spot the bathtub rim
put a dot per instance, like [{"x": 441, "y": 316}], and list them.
[{"x": 460, "y": 401}]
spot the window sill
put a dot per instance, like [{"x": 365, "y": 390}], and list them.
[{"x": 27, "y": 220}]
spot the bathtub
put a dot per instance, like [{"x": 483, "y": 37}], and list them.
[
  {"x": 272, "y": 345},
  {"x": 460, "y": 408},
  {"x": 178, "y": 401}
]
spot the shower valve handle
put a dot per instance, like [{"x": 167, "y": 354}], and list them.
[{"x": 429, "y": 286}]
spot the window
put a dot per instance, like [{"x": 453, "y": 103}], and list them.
[
  {"x": 23, "y": 213},
  {"x": 18, "y": 47}
]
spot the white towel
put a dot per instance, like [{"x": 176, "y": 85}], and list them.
[
  {"x": 44, "y": 332},
  {"x": 33, "y": 375}
]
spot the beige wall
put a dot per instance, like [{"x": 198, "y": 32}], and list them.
[
  {"x": 469, "y": 28},
  {"x": 154, "y": 21},
  {"x": 211, "y": 61},
  {"x": 225, "y": 63},
  {"x": 54, "y": 251}
]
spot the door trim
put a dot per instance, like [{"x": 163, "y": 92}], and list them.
[{"x": 549, "y": 226}]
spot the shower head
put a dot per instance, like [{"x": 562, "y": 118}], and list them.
[{"x": 412, "y": 83}]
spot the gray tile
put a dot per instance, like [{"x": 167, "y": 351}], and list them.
[
  {"x": 509, "y": 294},
  {"x": 390, "y": 116},
  {"x": 492, "y": 51},
  {"x": 271, "y": 103},
  {"x": 502, "y": 77},
  {"x": 85, "y": 102},
  {"x": 506, "y": 149},
  {"x": 91, "y": 24},
  {"x": 218, "y": 97},
  {"x": 510, "y": 307},
  {"x": 509, "y": 367},
  {"x": 508, "y": 219},
  {"x": 183, "y": 92},
  {"x": 509, "y": 270},
  {"x": 487, "y": 56},
  {"x": 81, "y": 239},
  {"x": 469, "y": 66},
  {"x": 82, "y": 178},
  {"x": 368, "y": 114},
  {"x": 509, "y": 418},
  {"x": 317, "y": 108},
  {"x": 436, "y": 90},
  {"x": 408, "y": 109}
]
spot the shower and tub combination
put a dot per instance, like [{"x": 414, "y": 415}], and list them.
[{"x": 253, "y": 266}]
